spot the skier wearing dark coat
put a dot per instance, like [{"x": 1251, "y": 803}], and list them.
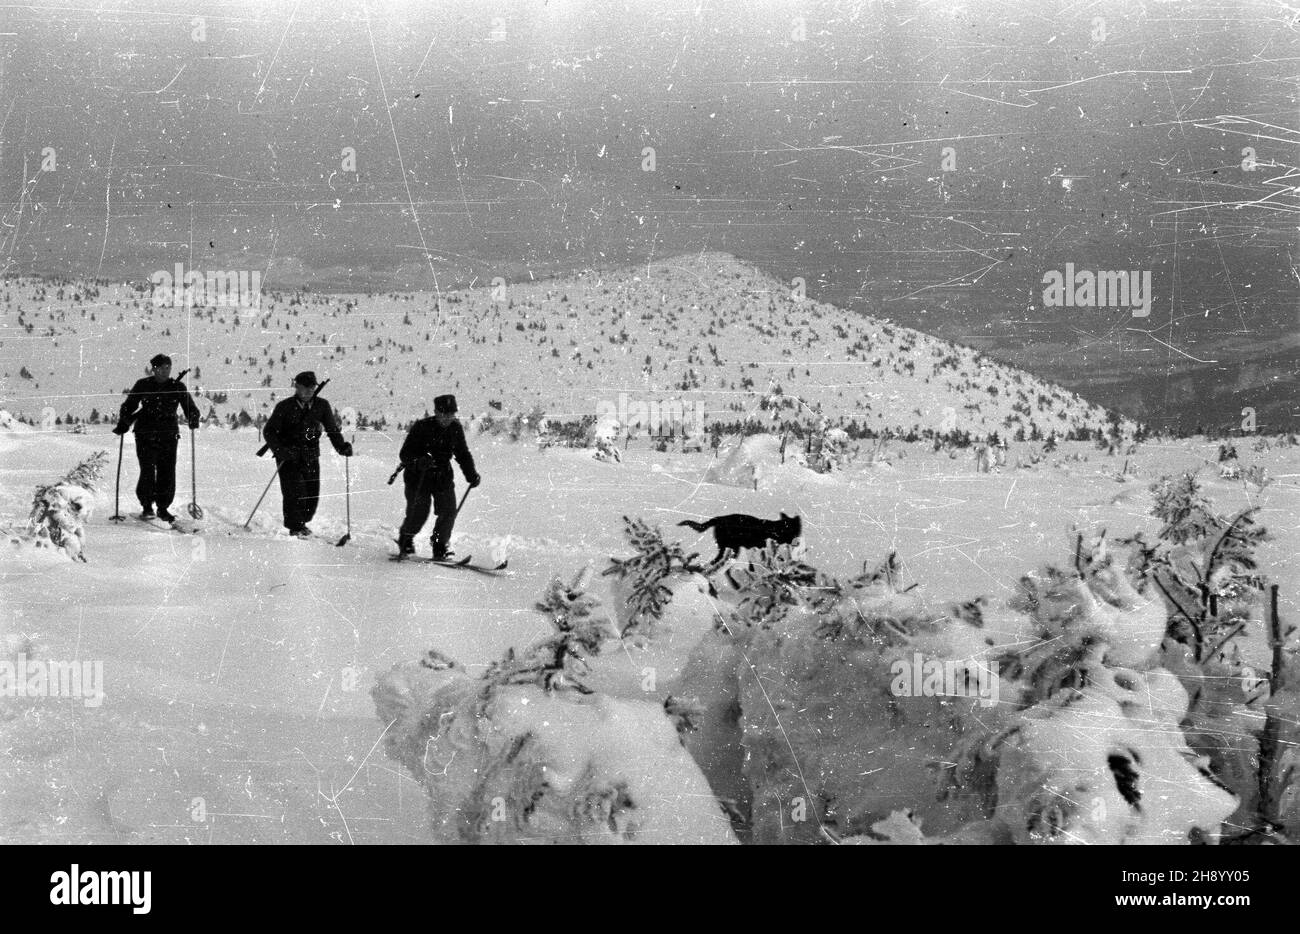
[
  {"x": 150, "y": 408},
  {"x": 293, "y": 434},
  {"x": 426, "y": 454}
]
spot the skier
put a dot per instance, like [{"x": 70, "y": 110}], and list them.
[
  {"x": 150, "y": 407},
  {"x": 293, "y": 434},
  {"x": 426, "y": 455}
]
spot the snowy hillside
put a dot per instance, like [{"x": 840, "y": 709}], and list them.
[
  {"x": 238, "y": 667},
  {"x": 705, "y": 329}
]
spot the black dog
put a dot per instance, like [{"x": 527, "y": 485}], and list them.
[{"x": 738, "y": 531}]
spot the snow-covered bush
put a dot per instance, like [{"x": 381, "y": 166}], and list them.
[
  {"x": 60, "y": 509},
  {"x": 693, "y": 443},
  {"x": 830, "y": 449},
  {"x": 648, "y": 581},
  {"x": 529, "y": 753},
  {"x": 754, "y": 459},
  {"x": 569, "y": 434},
  {"x": 1092, "y": 603},
  {"x": 515, "y": 428},
  {"x": 666, "y": 610},
  {"x": 606, "y": 451},
  {"x": 9, "y": 423},
  {"x": 1105, "y": 763},
  {"x": 1240, "y": 676},
  {"x": 1257, "y": 475},
  {"x": 1097, "y": 746},
  {"x": 994, "y": 749},
  {"x": 822, "y": 715},
  {"x": 605, "y": 437},
  {"x": 774, "y": 703}
]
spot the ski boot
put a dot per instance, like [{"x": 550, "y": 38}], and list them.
[
  {"x": 440, "y": 551},
  {"x": 405, "y": 545},
  {"x": 165, "y": 516}
]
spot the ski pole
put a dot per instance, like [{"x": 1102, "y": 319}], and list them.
[
  {"x": 196, "y": 511},
  {"x": 347, "y": 494},
  {"x": 263, "y": 496},
  {"x": 117, "y": 487}
]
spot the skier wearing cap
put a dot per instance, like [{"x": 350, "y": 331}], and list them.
[
  {"x": 426, "y": 454},
  {"x": 293, "y": 434},
  {"x": 150, "y": 407}
]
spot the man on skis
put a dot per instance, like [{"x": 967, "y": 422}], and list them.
[
  {"x": 150, "y": 408},
  {"x": 426, "y": 456},
  {"x": 293, "y": 435}
]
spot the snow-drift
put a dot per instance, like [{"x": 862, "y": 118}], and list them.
[
  {"x": 1055, "y": 724},
  {"x": 529, "y": 754}
]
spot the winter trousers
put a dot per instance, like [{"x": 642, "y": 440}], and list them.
[
  {"x": 157, "y": 456},
  {"x": 430, "y": 488},
  {"x": 300, "y": 488}
]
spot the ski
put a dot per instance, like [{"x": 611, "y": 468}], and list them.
[
  {"x": 458, "y": 563},
  {"x": 162, "y": 525},
  {"x": 476, "y": 568},
  {"x": 181, "y": 530}
]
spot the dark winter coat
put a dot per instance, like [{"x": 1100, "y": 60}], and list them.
[
  {"x": 296, "y": 426},
  {"x": 429, "y": 439},
  {"x": 150, "y": 407}
]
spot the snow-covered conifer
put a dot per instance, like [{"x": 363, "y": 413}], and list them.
[{"x": 60, "y": 509}]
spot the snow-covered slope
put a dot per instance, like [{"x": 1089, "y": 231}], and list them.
[
  {"x": 704, "y": 329},
  {"x": 237, "y": 665}
]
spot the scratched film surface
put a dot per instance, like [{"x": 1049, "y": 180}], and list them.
[{"x": 878, "y": 422}]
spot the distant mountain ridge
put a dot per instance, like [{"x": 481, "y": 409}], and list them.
[{"x": 703, "y": 328}]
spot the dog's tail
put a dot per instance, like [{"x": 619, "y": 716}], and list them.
[{"x": 698, "y": 526}]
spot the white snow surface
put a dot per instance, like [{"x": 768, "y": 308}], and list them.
[{"x": 238, "y": 664}]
